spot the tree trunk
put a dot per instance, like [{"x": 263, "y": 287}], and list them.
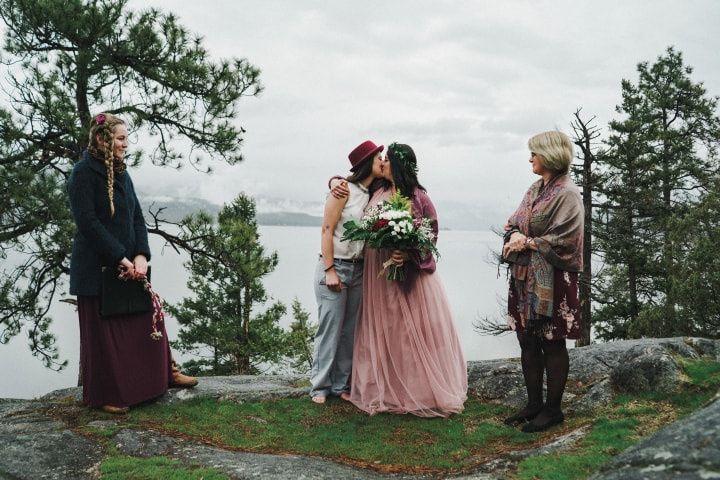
[
  {"x": 669, "y": 326},
  {"x": 308, "y": 348},
  {"x": 632, "y": 292},
  {"x": 81, "y": 88},
  {"x": 242, "y": 356},
  {"x": 216, "y": 366},
  {"x": 634, "y": 303},
  {"x": 586, "y": 275},
  {"x": 585, "y": 134}
]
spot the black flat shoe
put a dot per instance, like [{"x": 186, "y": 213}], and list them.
[
  {"x": 543, "y": 421},
  {"x": 524, "y": 415}
]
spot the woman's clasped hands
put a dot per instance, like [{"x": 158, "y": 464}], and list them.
[
  {"x": 517, "y": 243},
  {"x": 135, "y": 270}
]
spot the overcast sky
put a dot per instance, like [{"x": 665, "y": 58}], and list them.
[{"x": 466, "y": 83}]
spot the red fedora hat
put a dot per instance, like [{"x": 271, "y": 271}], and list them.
[{"x": 362, "y": 152}]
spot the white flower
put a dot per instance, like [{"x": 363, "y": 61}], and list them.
[{"x": 395, "y": 214}]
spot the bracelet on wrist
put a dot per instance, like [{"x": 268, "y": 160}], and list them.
[{"x": 327, "y": 269}]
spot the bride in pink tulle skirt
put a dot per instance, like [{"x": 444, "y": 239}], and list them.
[{"x": 407, "y": 356}]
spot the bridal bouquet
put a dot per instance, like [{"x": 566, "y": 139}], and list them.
[{"x": 391, "y": 225}]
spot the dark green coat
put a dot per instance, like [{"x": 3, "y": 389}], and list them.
[{"x": 102, "y": 240}]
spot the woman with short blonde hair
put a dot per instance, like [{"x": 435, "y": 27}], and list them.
[
  {"x": 545, "y": 236},
  {"x": 554, "y": 148}
]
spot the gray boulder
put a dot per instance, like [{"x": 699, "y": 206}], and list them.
[
  {"x": 33, "y": 445},
  {"x": 497, "y": 381},
  {"x": 687, "y": 449},
  {"x": 594, "y": 362},
  {"x": 705, "y": 347},
  {"x": 645, "y": 368},
  {"x": 598, "y": 394}
]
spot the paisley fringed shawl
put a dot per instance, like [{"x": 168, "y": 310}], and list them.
[{"x": 553, "y": 216}]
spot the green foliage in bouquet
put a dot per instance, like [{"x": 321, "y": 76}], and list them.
[
  {"x": 391, "y": 225},
  {"x": 399, "y": 202}
]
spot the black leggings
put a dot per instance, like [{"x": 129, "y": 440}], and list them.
[{"x": 539, "y": 356}]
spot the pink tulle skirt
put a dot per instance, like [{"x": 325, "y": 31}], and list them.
[{"x": 407, "y": 356}]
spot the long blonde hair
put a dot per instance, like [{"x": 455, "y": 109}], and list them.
[{"x": 103, "y": 125}]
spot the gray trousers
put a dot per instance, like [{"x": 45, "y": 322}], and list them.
[{"x": 337, "y": 315}]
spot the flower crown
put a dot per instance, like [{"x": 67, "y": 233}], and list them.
[
  {"x": 407, "y": 161},
  {"x": 100, "y": 118}
]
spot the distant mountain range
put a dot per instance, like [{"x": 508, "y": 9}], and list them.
[
  {"x": 175, "y": 209},
  {"x": 274, "y": 211}
]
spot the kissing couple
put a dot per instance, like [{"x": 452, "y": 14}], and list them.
[{"x": 384, "y": 345}]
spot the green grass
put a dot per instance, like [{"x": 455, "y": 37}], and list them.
[
  {"x": 402, "y": 443},
  {"x": 154, "y": 468},
  {"x": 625, "y": 422},
  {"x": 338, "y": 430},
  {"x": 703, "y": 372},
  {"x": 608, "y": 437}
]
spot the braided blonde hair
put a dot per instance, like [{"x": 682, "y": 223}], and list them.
[{"x": 103, "y": 125}]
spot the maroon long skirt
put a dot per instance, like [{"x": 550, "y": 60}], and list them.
[{"x": 121, "y": 364}]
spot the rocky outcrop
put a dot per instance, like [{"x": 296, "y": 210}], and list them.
[
  {"x": 688, "y": 449},
  {"x": 37, "y": 441},
  {"x": 497, "y": 380},
  {"x": 34, "y": 445},
  {"x": 645, "y": 368},
  {"x": 598, "y": 371},
  {"x": 237, "y": 388}
]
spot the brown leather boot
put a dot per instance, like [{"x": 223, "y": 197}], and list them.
[{"x": 179, "y": 380}]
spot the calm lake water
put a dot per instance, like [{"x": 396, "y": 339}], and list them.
[{"x": 471, "y": 282}]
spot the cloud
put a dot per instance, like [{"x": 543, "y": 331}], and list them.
[{"x": 464, "y": 82}]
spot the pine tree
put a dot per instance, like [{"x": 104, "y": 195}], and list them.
[
  {"x": 222, "y": 317},
  {"x": 302, "y": 333},
  {"x": 624, "y": 284},
  {"x": 660, "y": 161},
  {"x": 682, "y": 132},
  {"x": 62, "y": 61},
  {"x": 696, "y": 278}
]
